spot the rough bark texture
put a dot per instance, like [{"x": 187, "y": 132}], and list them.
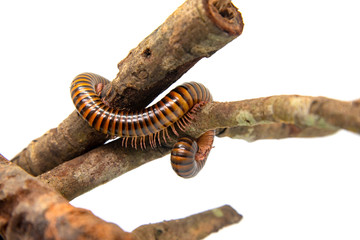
[
  {"x": 263, "y": 118},
  {"x": 302, "y": 111},
  {"x": 194, "y": 227},
  {"x": 70, "y": 139},
  {"x": 30, "y": 209},
  {"x": 195, "y": 30},
  {"x": 273, "y": 131},
  {"x": 97, "y": 167}
]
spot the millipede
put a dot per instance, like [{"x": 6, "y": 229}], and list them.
[{"x": 174, "y": 111}]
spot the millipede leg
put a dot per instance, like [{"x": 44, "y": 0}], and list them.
[{"x": 154, "y": 121}]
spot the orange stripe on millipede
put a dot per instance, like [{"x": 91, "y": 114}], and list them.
[{"x": 171, "y": 112}]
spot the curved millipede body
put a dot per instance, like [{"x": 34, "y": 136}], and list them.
[
  {"x": 188, "y": 157},
  {"x": 152, "y": 122}
]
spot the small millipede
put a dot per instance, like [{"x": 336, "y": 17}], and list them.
[{"x": 151, "y": 123}]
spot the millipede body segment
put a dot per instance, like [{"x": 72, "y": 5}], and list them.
[
  {"x": 188, "y": 157},
  {"x": 152, "y": 122}
]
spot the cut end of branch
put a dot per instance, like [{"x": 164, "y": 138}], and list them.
[{"x": 225, "y": 15}]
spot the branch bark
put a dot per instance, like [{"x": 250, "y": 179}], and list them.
[
  {"x": 70, "y": 139},
  {"x": 197, "y": 226},
  {"x": 304, "y": 111},
  {"x": 273, "y": 131},
  {"x": 195, "y": 30},
  {"x": 296, "y": 116},
  {"x": 30, "y": 209}
]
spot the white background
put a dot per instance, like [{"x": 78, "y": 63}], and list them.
[{"x": 286, "y": 189}]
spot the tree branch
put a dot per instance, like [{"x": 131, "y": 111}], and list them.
[
  {"x": 296, "y": 116},
  {"x": 97, "y": 167},
  {"x": 30, "y": 209},
  {"x": 71, "y": 138},
  {"x": 302, "y": 111},
  {"x": 273, "y": 131},
  {"x": 195, "y": 30},
  {"x": 197, "y": 226}
]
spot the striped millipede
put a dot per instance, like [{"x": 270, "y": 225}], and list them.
[
  {"x": 188, "y": 157},
  {"x": 153, "y": 122}
]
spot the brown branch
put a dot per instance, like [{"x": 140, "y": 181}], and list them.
[
  {"x": 302, "y": 111},
  {"x": 296, "y": 116},
  {"x": 197, "y": 226},
  {"x": 97, "y": 167},
  {"x": 30, "y": 209},
  {"x": 71, "y": 138},
  {"x": 273, "y": 131},
  {"x": 195, "y": 30}
]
